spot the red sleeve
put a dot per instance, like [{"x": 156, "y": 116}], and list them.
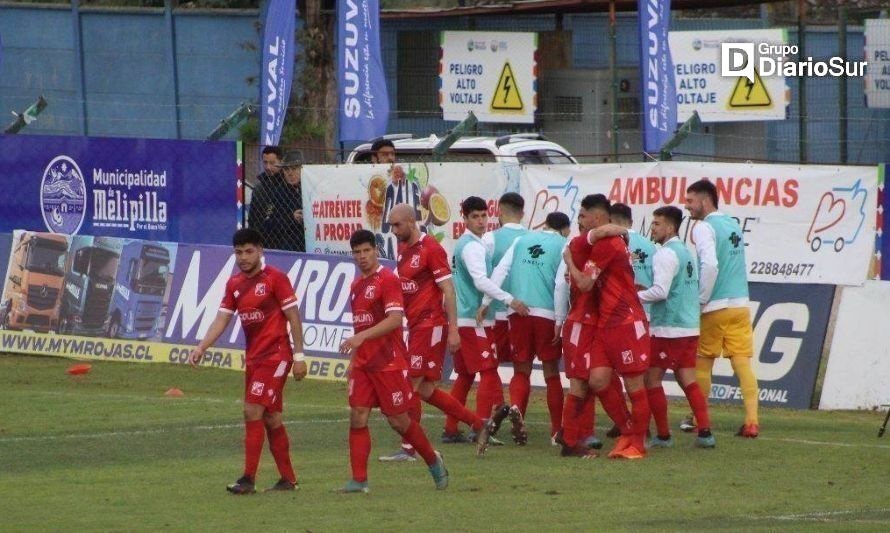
[
  {"x": 391, "y": 293},
  {"x": 284, "y": 292},
  {"x": 228, "y": 304},
  {"x": 601, "y": 254},
  {"x": 437, "y": 262}
]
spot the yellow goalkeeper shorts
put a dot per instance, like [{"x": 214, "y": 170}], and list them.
[{"x": 727, "y": 333}]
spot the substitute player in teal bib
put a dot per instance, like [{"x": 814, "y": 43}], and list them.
[
  {"x": 675, "y": 327},
  {"x": 510, "y": 212},
  {"x": 530, "y": 265},
  {"x": 642, "y": 251},
  {"x": 723, "y": 295}
]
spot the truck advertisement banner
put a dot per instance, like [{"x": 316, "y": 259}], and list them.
[
  {"x": 127, "y": 188},
  {"x": 103, "y": 298}
]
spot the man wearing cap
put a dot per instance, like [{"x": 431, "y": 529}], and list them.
[{"x": 276, "y": 210}]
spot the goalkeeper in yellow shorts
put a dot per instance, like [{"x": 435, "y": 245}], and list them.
[{"x": 723, "y": 294}]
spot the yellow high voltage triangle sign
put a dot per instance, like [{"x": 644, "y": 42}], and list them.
[
  {"x": 506, "y": 94},
  {"x": 747, "y": 94}
]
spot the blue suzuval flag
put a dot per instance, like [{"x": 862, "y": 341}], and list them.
[
  {"x": 361, "y": 83},
  {"x": 278, "y": 67},
  {"x": 657, "y": 69}
]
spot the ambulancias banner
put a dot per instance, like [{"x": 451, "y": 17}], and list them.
[
  {"x": 657, "y": 69},
  {"x": 278, "y": 67},
  {"x": 178, "y": 191},
  {"x": 361, "y": 81},
  {"x": 96, "y": 298}
]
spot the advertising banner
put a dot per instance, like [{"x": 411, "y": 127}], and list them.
[
  {"x": 877, "y": 54},
  {"x": 701, "y": 87},
  {"x": 790, "y": 323},
  {"x": 800, "y": 224},
  {"x": 492, "y": 74},
  {"x": 659, "y": 94},
  {"x": 342, "y": 199},
  {"x": 364, "y": 101},
  {"x": 141, "y": 301},
  {"x": 179, "y": 191},
  {"x": 278, "y": 67},
  {"x": 857, "y": 370}
]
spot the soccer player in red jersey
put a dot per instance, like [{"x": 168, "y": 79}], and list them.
[
  {"x": 432, "y": 320},
  {"x": 265, "y": 302},
  {"x": 378, "y": 376},
  {"x": 621, "y": 342}
]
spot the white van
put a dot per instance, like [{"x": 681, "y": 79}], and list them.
[{"x": 518, "y": 148}]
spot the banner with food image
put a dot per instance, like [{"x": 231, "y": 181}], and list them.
[{"x": 345, "y": 198}]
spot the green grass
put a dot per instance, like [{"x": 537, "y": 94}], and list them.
[{"x": 109, "y": 452}]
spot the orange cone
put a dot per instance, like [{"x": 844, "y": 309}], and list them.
[
  {"x": 80, "y": 369},
  {"x": 173, "y": 392}
]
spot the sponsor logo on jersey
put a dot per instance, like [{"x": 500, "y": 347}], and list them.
[
  {"x": 409, "y": 286},
  {"x": 251, "y": 316},
  {"x": 362, "y": 319}
]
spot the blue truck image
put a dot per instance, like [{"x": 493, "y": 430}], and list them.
[
  {"x": 138, "y": 291},
  {"x": 88, "y": 286}
]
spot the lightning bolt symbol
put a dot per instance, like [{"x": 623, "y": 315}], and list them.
[
  {"x": 750, "y": 85},
  {"x": 507, "y": 87}
]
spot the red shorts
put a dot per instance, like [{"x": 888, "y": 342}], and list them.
[
  {"x": 426, "y": 352},
  {"x": 264, "y": 383},
  {"x": 477, "y": 351},
  {"x": 577, "y": 341},
  {"x": 387, "y": 389},
  {"x": 674, "y": 353},
  {"x": 624, "y": 348},
  {"x": 501, "y": 334},
  {"x": 532, "y": 336}
]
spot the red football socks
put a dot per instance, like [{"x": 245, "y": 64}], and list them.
[
  {"x": 459, "y": 390},
  {"x": 415, "y": 435},
  {"x": 571, "y": 412},
  {"x": 254, "y": 435},
  {"x": 359, "y": 450},
  {"x": 699, "y": 405},
  {"x": 613, "y": 404},
  {"x": 520, "y": 388},
  {"x": 415, "y": 412},
  {"x": 639, "y": 413},
  {"x": 453, "y": 408},
  {"x": 659, "y": 406},
  {"x": 279, "y": 445},
  {"x": 555, "y": 396},
  {"x": 588, "y": 416},
  {"x": 490, "y": 393}
]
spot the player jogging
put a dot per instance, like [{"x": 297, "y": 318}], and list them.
[
  {"x": 675, "y": 326},
  {"x": 431, "y": 312},
  {"x": 265, "y": 302},
  {"x": 723, "y": 294},
  {"x": 378, "y": 376}
]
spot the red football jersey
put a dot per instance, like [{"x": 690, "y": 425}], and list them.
[
  {"x": 260, "y": 302},
  {"x": 421, "y": 267},
  {"x": 615, "y": 292},
  {"x": 372, "y": 298},
  {"x": 583, "y": 307}
]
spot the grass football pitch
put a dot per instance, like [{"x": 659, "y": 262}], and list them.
[{"x": 109, "y": 452}]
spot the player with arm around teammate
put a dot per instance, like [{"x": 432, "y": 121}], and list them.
[{"x": 264, "y": 300}]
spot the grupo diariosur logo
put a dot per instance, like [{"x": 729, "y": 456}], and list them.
[{"x": 767, "y": 59}]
